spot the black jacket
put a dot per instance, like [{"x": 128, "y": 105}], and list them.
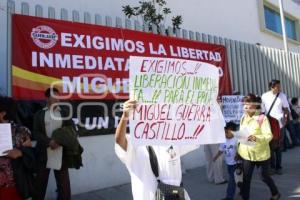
[
  {"x": 39, "y": 134},
  {"x": 23, "y": 169},
  {"x": 72, "y": 150}
]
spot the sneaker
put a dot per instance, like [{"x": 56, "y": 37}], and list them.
[{"x": 277, "y": 197}]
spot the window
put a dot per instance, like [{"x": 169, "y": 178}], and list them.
[{"x": 273, "y": 23}]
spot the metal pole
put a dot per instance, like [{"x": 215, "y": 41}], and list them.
[{"x": 283, "y": 26}]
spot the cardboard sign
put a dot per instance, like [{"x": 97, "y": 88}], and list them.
[
  {"x": 5, "y": 138},
  {"x": 177, "y": 102},
  {"x": 233, "y": 108}
]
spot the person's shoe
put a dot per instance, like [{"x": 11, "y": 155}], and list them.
[
  {"x": 223, "y": 182},
  {"x": 279, "y": 171},
  {"x": 277, "y": 197}
]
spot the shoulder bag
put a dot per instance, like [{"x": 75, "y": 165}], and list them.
[
  {"x": 275, "y": 128},
  {"x": 164, "y": 191}
]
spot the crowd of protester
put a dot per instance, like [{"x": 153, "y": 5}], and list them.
[
  {"x": 24, "y": 170},
  {"x": 275, "y": 126},
  {"x": 273, "y": 122}
]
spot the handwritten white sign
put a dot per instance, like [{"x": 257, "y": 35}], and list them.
[
  {"x": 177, "y": 102},
  {"x": 5, "y": 138},
  {"x": 232, "y": 106}
]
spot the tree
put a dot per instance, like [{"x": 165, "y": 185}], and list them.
[{"x": 152, "y": 13}]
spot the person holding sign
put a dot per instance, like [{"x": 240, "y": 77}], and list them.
[
  {"x": 137, "y": 160},
  {"x": 16, "y": 164},
  {"x": 50, "y": 153},
  {"x": 276, "y": 107},
  {"x": 256, "y": 153}
]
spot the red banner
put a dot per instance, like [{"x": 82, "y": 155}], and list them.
[{"x": 92, "y": 61}]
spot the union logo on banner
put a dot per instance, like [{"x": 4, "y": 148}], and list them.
[{"x": 44, "y": 37}]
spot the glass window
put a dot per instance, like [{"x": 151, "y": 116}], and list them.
[
  {"x": 290, "y": 28},
  {"x": 273, "y": 23}
]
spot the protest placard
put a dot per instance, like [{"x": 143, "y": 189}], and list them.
[
  {"x": 5, "y": 138},
  {"x": 232, "y": 107},
  {"x": 177, "y": 102}
]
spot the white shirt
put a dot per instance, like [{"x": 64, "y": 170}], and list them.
[
  {"x": 52, "y": 120},
  {"x": 229, "y": 148},
  {"x": 277, "y": 110},
  {"x": 143, "y": 181}
]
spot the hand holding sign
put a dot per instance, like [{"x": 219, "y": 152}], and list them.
[
  {"x": 244, "y": 137},
  {"x": 128, "y": 106},
  {"x": 252, "y": 138},
  {"x": 13, "y": 154}
]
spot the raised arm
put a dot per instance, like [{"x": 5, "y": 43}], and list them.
[{"x": 121, "y": 129}]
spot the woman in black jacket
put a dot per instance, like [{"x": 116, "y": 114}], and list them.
[{"x": 16, "y": 167}]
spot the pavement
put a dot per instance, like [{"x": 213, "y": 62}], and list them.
[{"x": 199, "y": 188}]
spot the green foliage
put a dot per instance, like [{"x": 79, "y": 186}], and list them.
[
  {"x": 177, "y": 21},
  {"x": 152, "y": 13}
]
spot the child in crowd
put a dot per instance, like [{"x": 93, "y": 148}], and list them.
[{"x": 230, "y": 150}]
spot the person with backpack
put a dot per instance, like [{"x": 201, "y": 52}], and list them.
[
  {"x": 275, "y": 106},
  {"x": 257, "y": 151}
]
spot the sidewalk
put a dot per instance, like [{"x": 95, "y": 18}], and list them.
[{"x": 199, "y": 189}]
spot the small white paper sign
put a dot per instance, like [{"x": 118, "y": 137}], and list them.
[
  {"x": 54, "y": 160},
  {"x": 233, "y": 108},
  {"x": 5, "y": 138},
  {"x": 242, "y": 136}
]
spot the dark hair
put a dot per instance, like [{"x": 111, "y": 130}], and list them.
[
  {"x": 294, "y": 100},
  {"x": 251, "y": 98},
  {"x": 51, "y": 91},
  {"x": 8, "y": 105},
  {"x": 273, "y": 83},
  {"x": 231, "y": 126}
]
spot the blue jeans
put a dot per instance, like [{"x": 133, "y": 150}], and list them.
[{"x": 231, "y": 181}]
